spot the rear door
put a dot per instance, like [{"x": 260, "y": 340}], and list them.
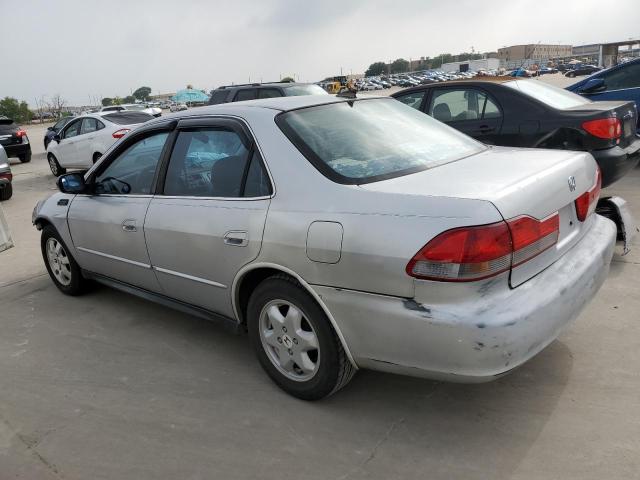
[
  {"x": 107, "y": 226},
  {"x": 468, "y": 109},
  {"x": 209, "y": 218}
]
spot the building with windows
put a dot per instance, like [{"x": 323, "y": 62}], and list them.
[{"x": 535, "y": 52}]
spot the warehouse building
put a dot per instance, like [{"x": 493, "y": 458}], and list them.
[
  {"x": 532, "y": 53},
  {"x": 471, "y": 65}
]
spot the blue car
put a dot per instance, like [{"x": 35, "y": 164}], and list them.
[{"x": 621, "y": 82}]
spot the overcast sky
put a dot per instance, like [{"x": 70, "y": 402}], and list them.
[{"x": 83, "y": 48}]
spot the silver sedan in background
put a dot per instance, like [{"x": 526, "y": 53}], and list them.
[{"x": 341, "y": 234}]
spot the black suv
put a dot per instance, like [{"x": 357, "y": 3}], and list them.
[
  {"x": 14, "y": 140},
  {"x": 251, "y": 91}
]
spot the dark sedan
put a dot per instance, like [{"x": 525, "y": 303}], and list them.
[
  {"x": 530, "y": 113},
  {"x": 582, "y": 70},
  {"x": 55, "y": 129},
  {"x": 14, "y": 140}
]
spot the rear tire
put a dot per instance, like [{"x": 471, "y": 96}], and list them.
[
  {"x": 294, "y": 340},
  {"x": 62, "y": 267},
  {"x": 26, "y": 158},
  {"x": 55, "y": 167},
  {"x": 6, "y": 192}
]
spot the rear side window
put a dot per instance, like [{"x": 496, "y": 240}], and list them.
[
  {"x": 269, "y": 93},
  {"x": 207, "y": 163},
  {"x": 128, "y": 118},
  {"x": 414, "y": 99},
  {"x": 364, "y": 141},
  {"x": 218, "y": 96},
  {"x": 88, "y": 125},
  {"x": 246, "y": 94},
  {"x": 455, "y": 105}
]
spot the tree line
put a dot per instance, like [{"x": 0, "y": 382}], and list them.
[
  {"x": 142, "y": 94},
  {"x": 401, "y": 65}
]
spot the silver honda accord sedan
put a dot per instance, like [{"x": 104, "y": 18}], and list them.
[{"x": 340, "y": 234}]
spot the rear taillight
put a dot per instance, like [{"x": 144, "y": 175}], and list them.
[
  {"x": 473, "y": 253},
  {"x": 586, "y": 203},
  {"x": 607, "y": 128},
  {"x": 120, "y": 133},
  {"x": 7, "y": 175},
  {"x": 21, "y": 133}
]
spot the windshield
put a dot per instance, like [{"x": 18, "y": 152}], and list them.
[
  {"x": 548, "y": 94},
  {"x": 298, "y": 90},
  {"x": 368, "y": 140}
]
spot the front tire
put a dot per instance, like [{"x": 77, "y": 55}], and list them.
[
  {"x": 294, "y": 340},
  {"x": 55, "y": 167},
  {"x": 62, "y": 267}
]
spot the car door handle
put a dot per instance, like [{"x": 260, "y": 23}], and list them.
[
  {"x": 485, "y": 129},
  {"x": 236, "y": 238},
  {"x": 129, "y": 226}
]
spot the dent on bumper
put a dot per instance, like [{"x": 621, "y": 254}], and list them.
[{"x": 479, "y": 337}]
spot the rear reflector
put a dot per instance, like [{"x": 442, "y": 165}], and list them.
[
  {"x": 473, "y": 253},
  {"x": 586, "y": 203},
  {"x": 608, "y": 128},
  {"x": 120, "y": 133}
]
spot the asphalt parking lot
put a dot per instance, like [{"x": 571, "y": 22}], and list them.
[{"x": 111, "y": 386}]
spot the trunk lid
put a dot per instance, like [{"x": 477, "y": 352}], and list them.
[{"x": 532, "y": 182}]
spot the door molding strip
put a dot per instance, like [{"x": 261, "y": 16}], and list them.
[
  {"x": 113, "y": 257},
  {"x": 189, "y": 277}
]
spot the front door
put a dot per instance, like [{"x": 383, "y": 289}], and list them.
[
  {"x": 66, "y": 151},
  {"x": 107, "y": 226},
  {"x": 209, "y": 219},
  {"x": 470, "y": 110}
]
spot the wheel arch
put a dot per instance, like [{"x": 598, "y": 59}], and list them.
[{"x": 251, "y": 275}]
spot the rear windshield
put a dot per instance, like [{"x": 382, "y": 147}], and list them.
[
  {"x": 369, "y": 140},
  {"x": 548, "y": 94},
  {"x": 127, "y": 118},
  {"x": 218, "y": 96},
  {"x": 136, "y": 107},
  {"x": 299, "y": 90}
]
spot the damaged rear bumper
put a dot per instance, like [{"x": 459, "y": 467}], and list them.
[{"x": 476, "y": 331}]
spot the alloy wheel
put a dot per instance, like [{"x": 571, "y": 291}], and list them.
[
  {"x": 58, "y": 261},
  {"x": 53, "y": 165},
  {"x": 289, "y": 340}
]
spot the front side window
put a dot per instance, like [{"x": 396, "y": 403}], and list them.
[
  {"x": 368, "y": 140},
  {"x": 627, "y": 76},
  {"x": 132, "y": 172},
  {"x": 73, "y": 129},
  {"x": 207, "y": 163},
  {"x": 413, "y": 99}
]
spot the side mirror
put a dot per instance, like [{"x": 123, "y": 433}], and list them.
[
  {"x": 57, "y": 138},
  {"x": 50, "y": 129},
  {"x": 594, "y": 85},
  {"x": 72, "y": 183}
]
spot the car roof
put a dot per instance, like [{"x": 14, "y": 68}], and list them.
[
  {"x": 256, "y": 85},
  {"x": 457, "y": 81}
]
